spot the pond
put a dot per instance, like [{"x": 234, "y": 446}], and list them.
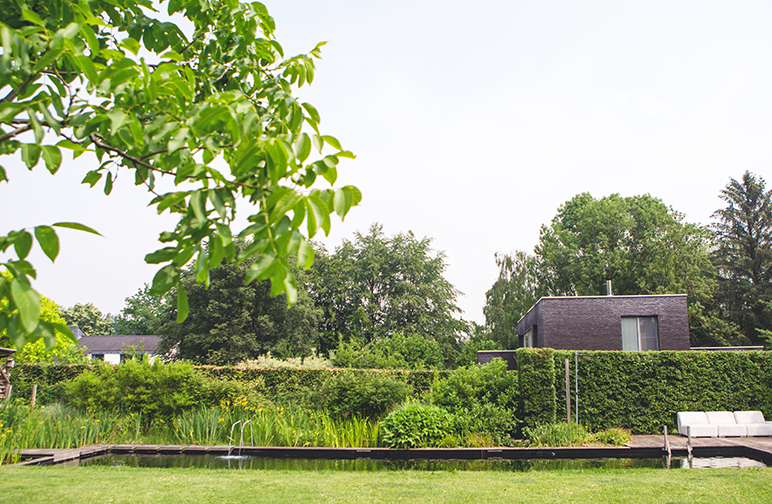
[{"x": 520, "y": 465}]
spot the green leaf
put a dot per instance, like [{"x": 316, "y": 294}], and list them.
[
  {"x": 318, "y": 143},
  {"x": 89, "y": 69},
  {"x": 312, "y": 112},
  {"x": 161, "y": 255},
  {"x": 216, "y": 252},
  {"x": 27, "y": 301},
  {"x": 32, "y": 17},
  {"x": 48, "y": 240},
  {"x": 109, "y": 183},
  {"x": 130, "y": 44},
  {"x": 332, "y": 141},
  {"x": 182, "y": 305},
  {"x": 30, "y": 154},
  {"x": 224, "y": 233},
  {"x": 49, "y": 57},
  {"x": 76, "y": 226},
  {"x": 22, "y": 244},
  {"x": 198, "y": 205},
  {"x": 91, "y": 40},
  {"x": 302, "y": 147},
  {"x": 91, "y": 178},
  {"x": 53, "y": 158},
  {"x": 305, "y": 254},
  {"x": 165, "y": 279},
  {"x": 3, "y": 176},
  {"x": 261, "y": 269},
  {"x": 180, "y": 137}
]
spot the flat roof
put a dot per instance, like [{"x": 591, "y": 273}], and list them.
[{"x": 597, "y": 297}]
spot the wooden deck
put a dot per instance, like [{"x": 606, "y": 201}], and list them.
[{"x": 643, "y": 446}]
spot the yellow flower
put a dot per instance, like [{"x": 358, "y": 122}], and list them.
[
  {"x": 97, "y": 420},
  {"x": 2, "y": 436}
]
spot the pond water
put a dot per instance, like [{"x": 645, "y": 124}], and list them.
[{"x": 277, "y": 464}]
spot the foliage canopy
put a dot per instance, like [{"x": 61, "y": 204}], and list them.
[
  {"x": 212, "y": 110},
  {"x": 378, "y": 286}
]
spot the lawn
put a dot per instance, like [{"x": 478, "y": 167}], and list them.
[{"x": 68, "y": 484}]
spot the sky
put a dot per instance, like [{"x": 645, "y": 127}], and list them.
[{"x": 472, "y": 123}]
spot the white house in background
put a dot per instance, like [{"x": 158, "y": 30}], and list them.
[{"x": 113, "y": 349}]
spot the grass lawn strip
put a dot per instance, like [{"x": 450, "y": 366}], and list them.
[{"x": 67, "y": 484}]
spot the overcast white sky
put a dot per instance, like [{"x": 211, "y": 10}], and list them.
[{"x": 473, "y": 122}]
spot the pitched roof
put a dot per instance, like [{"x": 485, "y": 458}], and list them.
[{"x": 115, "y": 344}]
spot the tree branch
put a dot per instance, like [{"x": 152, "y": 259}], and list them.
[
  {"x": 99, "y": 141},
  {"x": 17, "y": 131}
]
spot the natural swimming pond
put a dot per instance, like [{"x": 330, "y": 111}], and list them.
[{"x": 520, "y": 465}]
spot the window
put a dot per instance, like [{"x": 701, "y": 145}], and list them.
[
  {"x": 640, "y": 333},
  {"x": 526, "y": 340}
]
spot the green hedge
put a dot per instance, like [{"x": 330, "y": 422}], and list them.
[
  {"x": 643, "y": 391},
  {"x": 277, "y": 383},
  {"x": 50, "y": 379},
  {"x": 536, "y": 377}
]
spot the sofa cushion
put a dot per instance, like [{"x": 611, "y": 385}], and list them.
[
  {"x": 754, "y": 423},
  {"x": 725, "y": 424},
  {"x": 749, "y": 417},
  {"x": 698, "y": 421}
]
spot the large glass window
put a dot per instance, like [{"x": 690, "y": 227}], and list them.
[{"x": 640, "y": 333}]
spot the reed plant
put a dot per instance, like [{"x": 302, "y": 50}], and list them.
[{"x": 270, "y": 425}]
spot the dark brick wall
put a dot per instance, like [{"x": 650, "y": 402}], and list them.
[
  {"x": 485, "y": 356},
  {"x": 594, "y": 323}
]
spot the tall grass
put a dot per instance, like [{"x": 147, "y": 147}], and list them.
[
  {"x": 271, "y": 426},
  {"x": 58, "y": 426}
]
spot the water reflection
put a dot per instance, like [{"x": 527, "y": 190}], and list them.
[{"x": 277, "y": 464}]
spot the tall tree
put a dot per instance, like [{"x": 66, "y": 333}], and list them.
[
  {"x": 89, "y": 319},
  {"x": 212, "y": 110},
  {"x": 232, "y": 321},
  {"x": 377, "y": 286},
  {"x": 144, "y": 313},
  {"x": 640, "y": 244},
  {"x": 743, "y": 255},
  {"x": 510, "y": 297}
]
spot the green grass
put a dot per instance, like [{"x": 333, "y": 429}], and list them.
[{"x": 64, "y": 484}]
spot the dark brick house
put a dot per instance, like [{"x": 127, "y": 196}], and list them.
[{"x": 657, "y": 322}]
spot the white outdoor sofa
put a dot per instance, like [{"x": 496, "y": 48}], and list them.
[{"x": 723, "y": 424}]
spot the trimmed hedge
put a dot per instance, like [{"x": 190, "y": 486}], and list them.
[
  {"x": 536, "y": 377},
  {"x": 276, "y": 383},
  {"x": 642, "y": 391}
]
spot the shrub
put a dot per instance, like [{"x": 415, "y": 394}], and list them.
[
  {"x": 483, "y": 400},
  {"x": 416, "y": 425},
  {"x": 368, "y": 395},
  {"x": 152, "y": 390},
  {"x": 394, "y": 352}
]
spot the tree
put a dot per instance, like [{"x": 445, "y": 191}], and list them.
[
  {"x": 232, "y": 321},
  {"x": 89, "y": 319},
  {"x": 378, "y": 286},
  {"x": 144, "y": 313},
  {"x": 510, "y": 297},
  {"x": 211, "y": 110},
  {"x": 640, "y": 244},
  {"x": 743, "y": 256}
]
